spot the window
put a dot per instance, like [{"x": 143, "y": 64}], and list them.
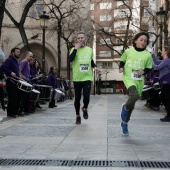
[
  {"x": 119, "y": 40},
  {"x": 145, "y": 12},
  {"x": 92, "y": 17},
  {"x": 105, "y": 54},
  {"x": 120, "y": 3},
  {"x": 107, "y": 65},
  {"x": 105, "y": 41},
  {"x": 118, "y": 48},
  {"x": 91, "y": 6},
  {"x": 120, "y": 25},
  {"x": 108, "y": 29},
  {"x": 121, "y": 13},
  {"x": 105, "y": 17},
  {"x": 105, "y": 5}
]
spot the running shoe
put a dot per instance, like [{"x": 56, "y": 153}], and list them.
[
  {"x": 85, "y": 113},
  {"x": 165, "y": 119},
  {"x": 78, "y": 120},
  {"x": 124, "y": 113},
  {"x": 124, "y": 129}
]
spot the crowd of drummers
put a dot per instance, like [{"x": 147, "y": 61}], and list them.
[{"x": 26, "y": 88}]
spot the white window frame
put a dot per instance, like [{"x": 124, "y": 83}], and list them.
[
  {"x": 106, "y": 5},
  {"x": 105, "y": 53},
  {"x": 91, "y": 7},
  {"x": 121, "y": 13},
  {"x": 145, "y": 12},
  {"x": 108, "y": 29},
  {"x": 104, "y": 41},
  {"x": 105, "y": 17}
]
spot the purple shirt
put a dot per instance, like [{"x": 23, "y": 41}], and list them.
[
  {"x": 10, "y": 65},
  {"x": 52, "y": 80},
  {"x": 24, "y": 67},
  {"x": 162, "y": 65}
]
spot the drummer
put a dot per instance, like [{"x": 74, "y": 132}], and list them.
[
  {"x": 34, "y": 75},
  {"x": 11, "y": 69},
  {"x": 24, "y": 68},
  {"x": 52, "y": 81}
]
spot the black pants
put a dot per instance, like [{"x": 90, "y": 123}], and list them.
[
  {"x": 52, "y": 102},
  {"x": 2, "y": 97},
  {"x": 133, "y": 97},
  {"x": 78, "y": 86},
  {"x": 13, "y": 97},
  {"x": 165, "y": 97}
]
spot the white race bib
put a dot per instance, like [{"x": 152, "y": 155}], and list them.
[
  {"x": 84, "y": 67},
  {"x": 135, "y": 76}
]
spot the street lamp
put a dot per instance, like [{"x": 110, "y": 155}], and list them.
[
  {"x": 43, "y": 23},
  {"x": 161, "y": 18}
]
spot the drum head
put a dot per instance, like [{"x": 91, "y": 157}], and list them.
[
  {"x": 45, "y": 86},
  {"x": 25, "y": 83},
  {"x": 35, "y": 91},
  {"x": 147, "y": 89},
  {"x": 58, "y": 91}
]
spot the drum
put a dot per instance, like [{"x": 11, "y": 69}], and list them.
[
  {"x": 57, "y": 94},
  {"x": 45, "y": 91},
  {"x": 24, "y": 86},
  {"x": 156, "y": 86},
  {"x": 148, "y": 93},
  {"x": 34, "y": 96}
]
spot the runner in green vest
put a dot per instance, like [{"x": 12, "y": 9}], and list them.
[
  {"x": 81, "y": 57},
  {"x": 134, "y": 63}
]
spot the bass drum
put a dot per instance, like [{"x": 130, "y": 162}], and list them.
[
  {"x": 148, "y": 93},
  {"x": 57, "y": 94},
  {"x": 34, "y": 96},
  {"x": 24, "y": 86},
  {"x": 45, "y": 92}
]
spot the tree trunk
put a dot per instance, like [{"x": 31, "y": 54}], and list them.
[
  {"x": 24, "y": 38},
  {"x": 2, "y": 8},
  {"x": 68, "y": 62},
  {"x": 59, "y": 47}
]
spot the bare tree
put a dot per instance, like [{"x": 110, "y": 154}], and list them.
[
  {"x": 20, "y": 24},
  {"x": 2, "y": 8},
  {"x": 64, "y": 11}
]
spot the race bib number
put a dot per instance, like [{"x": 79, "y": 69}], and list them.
[
  {"x": 135, "y": 76},
  {"x": 84, "y": 67}
]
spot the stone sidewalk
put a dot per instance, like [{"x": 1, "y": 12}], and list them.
[{"x": 51, "y": 134}]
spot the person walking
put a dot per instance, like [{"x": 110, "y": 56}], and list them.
[
  {"x": 134, "y": 63},
  {"x": 52, "y": 81},
  {"x": 164, "y": 79},
  {"x": 81, "y": 57},
  {"x": 11, "y": 69}
]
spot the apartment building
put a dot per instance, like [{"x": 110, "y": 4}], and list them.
[{"x": 113, "y": 23}]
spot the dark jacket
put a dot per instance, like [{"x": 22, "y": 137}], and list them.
[
  {"x": 52, "y": 80},
  {"x": 10, "y": 65}
]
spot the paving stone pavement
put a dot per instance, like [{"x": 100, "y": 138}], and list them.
[{"x": 51, "y": 134}]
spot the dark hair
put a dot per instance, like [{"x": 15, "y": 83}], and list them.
[
  {"x": 13, "y": 49},
  {"x": 167, "y": 49},
  {"x": 52, "y": 68},
  {"x": 138, "y": 35}
]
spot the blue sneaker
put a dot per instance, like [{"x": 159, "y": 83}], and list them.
[
  {"x": 124, "y": 113},
  {"x": 124, "y": 129}
]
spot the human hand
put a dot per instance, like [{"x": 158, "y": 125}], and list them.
[
  {"x": 13, "y": 74},
  {"x": 140, "y": 72},
  {"x": 78, "y": 45},
  {"x": 28, "y": 79},
  {"x": 121, "y": 70}
]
